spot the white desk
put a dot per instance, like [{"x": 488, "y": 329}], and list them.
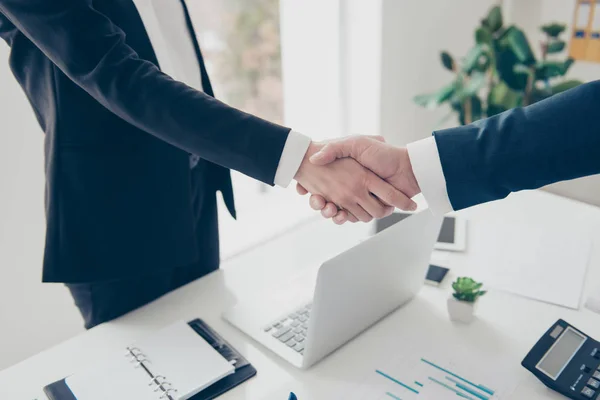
[{"x": 508, "y": 325}]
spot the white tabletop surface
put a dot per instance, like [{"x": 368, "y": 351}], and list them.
[{"x": 506, "y": 328}]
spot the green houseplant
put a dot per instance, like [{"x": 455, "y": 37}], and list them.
[
  {"x": 462, "y": 303},
  {"x": 501, "y": 72}
]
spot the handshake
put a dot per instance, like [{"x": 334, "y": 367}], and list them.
[{"x": 357, "y": 179}]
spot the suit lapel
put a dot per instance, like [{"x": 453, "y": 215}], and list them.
[
  {"x": 207, "y": 87},
  {"x": 140, "y": 40}
]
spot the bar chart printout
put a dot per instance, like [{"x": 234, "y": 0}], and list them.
[{"x": 425, "y": 378}]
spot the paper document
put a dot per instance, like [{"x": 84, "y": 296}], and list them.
[
  {"x": 549, "y": 266},
  {"x": 419, "y": 377},
  {"x": 593, "y": 302}
]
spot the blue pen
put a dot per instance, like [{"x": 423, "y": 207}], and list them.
[{"x": 292, "y": 396}]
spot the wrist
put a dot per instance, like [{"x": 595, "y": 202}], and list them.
[
  {"x": 405, "y": 169},
  {"x": 305, "y": 164}
]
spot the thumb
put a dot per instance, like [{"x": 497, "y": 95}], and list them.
[{"x": 330, "y": 152}]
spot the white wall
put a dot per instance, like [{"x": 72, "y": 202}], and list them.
[
  {"x": 530, "y": 15},
  {"x": 33, "y": 315},
  {"x": 413, "y": 34},
  {"x": 361, "y": 66}
]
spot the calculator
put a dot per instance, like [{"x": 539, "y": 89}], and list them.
[{"x": 567, "y": 361}]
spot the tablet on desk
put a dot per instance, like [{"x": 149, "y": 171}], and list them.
[{"x": 452, "y": 234}]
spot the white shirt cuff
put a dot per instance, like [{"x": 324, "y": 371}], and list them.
[
  {"x": 292, "y": 155},
  {"x": 427, "y": 167}
]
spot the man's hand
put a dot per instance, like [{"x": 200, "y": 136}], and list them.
[
  {"x": 360, "y": 193},
  {"x": 389, "y": 162}
]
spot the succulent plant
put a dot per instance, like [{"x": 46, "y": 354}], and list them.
[
  {"x": 501, "y": 71},
  {"x": 466, "y": 289}
]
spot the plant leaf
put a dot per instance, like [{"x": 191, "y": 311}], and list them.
[
  {"x": 502, "y": 98},
  {"x": 551, "y": 69},
  {"x": 494, "y": 19},
  {"x": 567, "y": 64},
  {"x": 444, "y": 93},
  {"x": 477, "y": 56},
  {"x": 447, "y": 60},
  {"x": 556, "y": 46},
  {"x": 506, "y": 60},
  {"x": 423, "y": 99},
  {"x": 522, "y": 69},
  {"x": 566, "y": 85},
  {"x": 553, "y": 29},
  {"x": 516, "y": 40},
  {"x": 475, "y": 83},
  {"x": 433, "y": 100},
  {"x": 483, "y": 36}
]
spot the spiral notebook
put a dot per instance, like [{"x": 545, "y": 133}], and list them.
[{"x": 178, "y": 362}]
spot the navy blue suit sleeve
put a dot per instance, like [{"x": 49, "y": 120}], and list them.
[
  {"x": 92, "y": 52},
  {"x": 525, "y": 148}
]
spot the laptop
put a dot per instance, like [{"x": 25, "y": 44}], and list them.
[{"x": 353, "y": 291}]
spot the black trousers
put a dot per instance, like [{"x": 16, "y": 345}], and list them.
[{"x": 103, "y": 301}]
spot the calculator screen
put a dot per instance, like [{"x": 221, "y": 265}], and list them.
[{"x": 561, "y": 352}]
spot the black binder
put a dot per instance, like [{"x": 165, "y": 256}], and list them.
[{"x": 243, "y": 370}]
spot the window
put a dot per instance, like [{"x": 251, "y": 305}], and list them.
[{"x": 278, "y": 60}]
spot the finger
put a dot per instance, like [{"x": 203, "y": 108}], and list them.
[
  {"x": 301, "y": 190},
  {"x": 317, "y": 202},
  {"x": 330, "y": 210},
  {"x": 389, "y": 209},
  {"x": 374, "y": 207},
  {"x": 329, "y": 153},
  {"x": 359, "y": 212},
  {"x": 340, "y": 218},
  {"x": 388, "y": 194},
  {"x": 352, "y": 218},
  {"x": 348, "y": 147}
]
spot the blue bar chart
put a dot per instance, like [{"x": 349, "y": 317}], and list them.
[{"x": 423, "y": 378}]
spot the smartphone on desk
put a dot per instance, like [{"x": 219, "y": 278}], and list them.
[
  {"x": 452, "y": 235},
  {"x": 436, "y": 274}
]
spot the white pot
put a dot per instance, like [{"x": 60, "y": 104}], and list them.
[{"x": 461, "y": 311}]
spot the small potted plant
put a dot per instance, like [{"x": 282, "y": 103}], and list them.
[{"x": 462, "y": 303}]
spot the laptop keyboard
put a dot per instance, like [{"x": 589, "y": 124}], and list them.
[{"x": 292, "y": 328}]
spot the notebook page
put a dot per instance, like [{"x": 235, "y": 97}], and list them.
[
  {"x": 115, "y": 378},
  {"x": 187, "y": 361}
]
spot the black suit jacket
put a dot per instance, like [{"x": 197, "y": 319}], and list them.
[{"x": 118, "y": 134}]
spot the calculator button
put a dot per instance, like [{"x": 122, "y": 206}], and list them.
[
  {"x": 586, "y": 369},
  {"x": 596, "y": 375},
  {"x": 587, "y": 392},
  {"x": 593, "y": 383}
]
